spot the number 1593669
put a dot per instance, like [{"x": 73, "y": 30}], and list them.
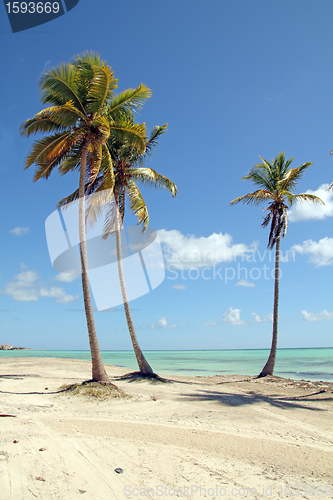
[{"x": 32, "y": 7}]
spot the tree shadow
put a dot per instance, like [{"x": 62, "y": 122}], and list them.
[
  {"x": 17, "y": 376},
  {"x": 230, "y": 399},
  {"x": 139, "y": 377}
]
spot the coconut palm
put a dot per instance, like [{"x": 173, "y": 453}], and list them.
[
  {"x": 128, "y": 169},
  {"x": 83, "y": 111},
  {"x": 276, "y": 184}
]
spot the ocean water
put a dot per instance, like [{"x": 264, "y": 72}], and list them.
[{"x": 308, "y": 364}]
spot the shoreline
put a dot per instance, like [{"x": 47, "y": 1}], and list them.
[
  {"x": 298, "y": 364},
  {"x": 195, "y": 432}
]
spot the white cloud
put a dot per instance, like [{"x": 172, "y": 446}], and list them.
[
  {"x": 18, "y": 231},
  {"x": 24, "y": 288},
  {"x": 59, "y": 294},
  {"x": 308, "y": 316},
  {"x": 186, "y": 252},
  {"x": 245, "y": 283},
  {"x": 180, "y": 287},
  {"x": 232, "y": 317},
  {"x": 264, "y": 319},
  {"x": 162, "y": 323},
  {"x": 307, "y": 210},
  {"x": 209, "y": 323},
  {"x": 320, "y": 253},
  {"x": 67, "y": 277}
]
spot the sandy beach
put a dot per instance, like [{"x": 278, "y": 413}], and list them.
[{"x": 214, "y": 437}]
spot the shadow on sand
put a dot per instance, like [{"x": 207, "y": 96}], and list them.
[{"x": 229, "y": 399}]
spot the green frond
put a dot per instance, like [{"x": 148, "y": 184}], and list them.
[
  {"x": 102, "y": 124},
  {"x": 72, "y": 161},
  {"x": 43, "y": 147},
  {"x": 153, "y": 139},
  {"x": 291, "y": 177},
  {"x": 53, "y": 119},
  {"x": 59, "y": 86},
  {"x": 150, "y": 178},
  {"x": 134, "y": 133},
  {"x": 308, "y": 198},
  {"x": 130, "y": 100},
  {"x": 88, "y": 58},
  {"x": 253, "y": 198},
  {"x": 101, "y": 89},
  {"x": 261, "y": 177},
  {"x": 68, "y": 199},
  {"x": 137, "y": 204}
]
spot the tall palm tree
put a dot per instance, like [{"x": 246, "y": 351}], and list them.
[
  {"x": 83, "y": 111},
  {"x": 276, "y": 184},
  {"x": 128, "y": 168}
]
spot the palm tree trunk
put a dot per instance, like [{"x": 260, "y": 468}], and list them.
[
  {"x": 98, "y": 371},
  {"x": 145, "y": 368},
  {"x": 269, "y": 366}
]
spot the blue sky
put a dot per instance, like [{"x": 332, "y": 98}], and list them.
[{"x": 234, "y": 80}]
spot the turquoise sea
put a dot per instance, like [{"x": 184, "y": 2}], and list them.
[{"x": 308, "y": 364}]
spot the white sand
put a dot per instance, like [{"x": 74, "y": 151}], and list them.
[{"x": 214, "y": 437}]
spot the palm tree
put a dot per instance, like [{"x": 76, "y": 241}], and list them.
[
  {"x": 276, "y": 184},
  {"x": 83, "y": 111},
  {"x": 128, "y": 168}
]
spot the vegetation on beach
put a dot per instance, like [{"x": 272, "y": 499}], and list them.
[
  {"x": 276, "y": 184},
  {"x": 94, "y": 390}
]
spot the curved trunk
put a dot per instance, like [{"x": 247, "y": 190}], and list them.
[
  {"x": 269, "y": 366},
  {"x": 145, "y": 368},
  {"x": 98, "y": 371}
]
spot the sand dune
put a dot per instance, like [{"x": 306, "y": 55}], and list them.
[{"x": 214, "y": 437}]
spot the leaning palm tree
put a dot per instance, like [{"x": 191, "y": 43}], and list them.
[
  {"x": 77, "y": 125},
  {"x": 276, "y": 184},
  {"x": 128, "y": 168}
]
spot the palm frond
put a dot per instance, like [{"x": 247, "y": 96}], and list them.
[
  {"x": 43, "y": 147},
  {"x": 137, "y": 204},
  {"x": 130, "y": 100},
  {"x": 150, "y": 178},
  {"x": 253, "y": 198},
  {"x": 101, "y": 89},
  {"x": 261, "y": 176},
  {"x": 72, "y": 161},
  {"x": 53, "y": 119},
  {"x": 126, "y": 131},
  {"x": 59, "y": 86},
  {"x": 308, "y": 198}
]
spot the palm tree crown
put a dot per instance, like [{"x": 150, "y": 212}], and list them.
[
  {"x": 84, "y": 110},
  {"x": 277, "y": 183}
]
